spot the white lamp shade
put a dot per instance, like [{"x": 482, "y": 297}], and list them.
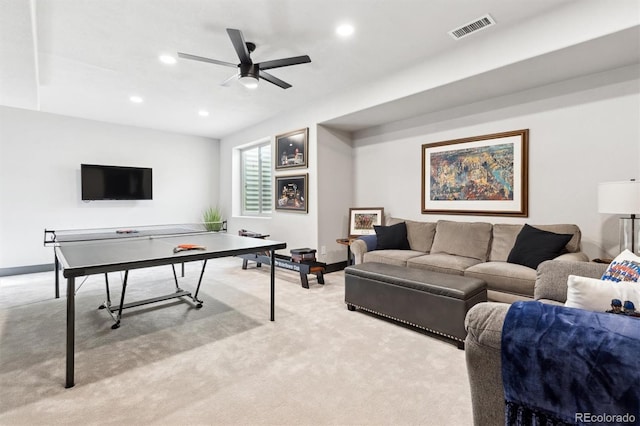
[{"x": 619, "y": 197}]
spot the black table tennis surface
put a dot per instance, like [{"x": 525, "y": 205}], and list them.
[{"x": 80, "y": 258}]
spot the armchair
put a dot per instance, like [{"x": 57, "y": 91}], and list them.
[{"x": 484, "y": 324}]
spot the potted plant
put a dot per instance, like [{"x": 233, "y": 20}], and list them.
[{"x": 212, "y": 218}]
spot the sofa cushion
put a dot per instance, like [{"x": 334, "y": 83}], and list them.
[
  {"x": 505, "y": 277},
  {"x": 504, "y": 238},
  {"x": 391, "y": 257},
  {"x": 442, "y": 262},
  {"x": 420, "y": 234},
  {"x": 533, "y": 246},
  {"x": 468, "y": 239},
  {"x": 392, "y": 237}
]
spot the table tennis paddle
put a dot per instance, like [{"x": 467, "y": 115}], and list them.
[{"x": 185, "y": 247}]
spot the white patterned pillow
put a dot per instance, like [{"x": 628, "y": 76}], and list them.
[
  {"x": 597, "y": 295},
  {"x": 625, "y": 267}
]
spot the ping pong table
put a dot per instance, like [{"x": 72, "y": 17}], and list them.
[{"x": 142, "y": 248}]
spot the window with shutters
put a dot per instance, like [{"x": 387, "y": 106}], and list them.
[{"x": 256, "y": 180}]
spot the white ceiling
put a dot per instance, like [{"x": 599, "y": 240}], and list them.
[{"x": 85, "y": 58}]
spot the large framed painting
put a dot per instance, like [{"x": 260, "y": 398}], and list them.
[
  {"x": 291, "y": 192},
  {"x": 363, "y": 219},
  {"x": 292, "y": 149},
  {"x": 480, "y": 175}
]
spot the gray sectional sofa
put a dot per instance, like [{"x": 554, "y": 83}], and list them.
[
  {"x": 473, "y": 249},
  {"x": 484, "y": 335}
]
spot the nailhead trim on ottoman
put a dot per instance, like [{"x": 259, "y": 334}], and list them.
[{"x": 432, "y": 301}]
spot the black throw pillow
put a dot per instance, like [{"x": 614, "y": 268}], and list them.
[
  {"x": 533, "y": 246},
  {"x": 392, "y": 237}
]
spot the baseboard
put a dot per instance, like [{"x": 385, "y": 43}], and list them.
[
  {"x": 21, "y": 270},
  {"x": 334, "y": 267}
]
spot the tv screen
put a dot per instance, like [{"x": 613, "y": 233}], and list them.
[{"x": 115, "y": 183}]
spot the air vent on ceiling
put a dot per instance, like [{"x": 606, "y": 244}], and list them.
[{"x": 474, "y": 26}]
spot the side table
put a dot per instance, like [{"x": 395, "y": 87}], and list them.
[{"x": 347, "y": 242}]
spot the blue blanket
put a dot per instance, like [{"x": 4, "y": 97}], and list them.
[
  {"x": 370, "y": 240},
  {"x": 570, "y": 366}
]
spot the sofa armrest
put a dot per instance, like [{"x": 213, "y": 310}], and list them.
[
  {"x": 575, "y": 257},
  {"x": 551, "y": 279},
  {"x": 358, "y": 249},
  {"x": 484, "y": 367}
]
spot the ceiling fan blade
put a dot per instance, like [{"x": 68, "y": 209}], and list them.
[
  {"x": 229, "y": 80},
  {"x": 209, "y": 60},
  {"x": 274, "y": 80},
  {"x": 240, "y": 45},
  {"x": 284, "y": 62}
]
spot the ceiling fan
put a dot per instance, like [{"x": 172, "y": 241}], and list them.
[{"x": 248, "y": 72}]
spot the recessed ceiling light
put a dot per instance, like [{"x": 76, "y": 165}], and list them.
[
  {"x": 203, "y": 113},
  {"x": 135, "y": 99},
  {"x": 345, "y": 30},
  {"x": 167, "y": 59}
]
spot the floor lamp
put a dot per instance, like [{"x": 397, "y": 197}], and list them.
[{"x": 623, "y": 198}]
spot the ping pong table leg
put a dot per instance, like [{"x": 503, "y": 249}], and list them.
[
  {"x": 273, "y": 284},
  {"x": 195, "y": 296},
  {"x": 56, "y": 264},
  {"x": 106, "y": 283},
  {"x": 71, "y": 322},
  {"x": 124, "y": 289},
  {"x": 175, "y": 276}
]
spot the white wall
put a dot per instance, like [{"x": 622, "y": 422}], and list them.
[
  {"x": 582, "y": 132},
  {"x": 320, "y": 227},
  {"x": 335, "y": 192},
  {"x": 295, "y": 228},
  {"x": 40, "y": 157}
]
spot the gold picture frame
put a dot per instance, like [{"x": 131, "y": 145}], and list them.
[
  {"x": 292, "y": 149},
  {"x": 292, "y": 193}
]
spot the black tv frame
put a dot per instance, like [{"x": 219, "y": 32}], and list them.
[{"x": 115, "y": 180}]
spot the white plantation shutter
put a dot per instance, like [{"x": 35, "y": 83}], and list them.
[{"x": 256, "y": 180}]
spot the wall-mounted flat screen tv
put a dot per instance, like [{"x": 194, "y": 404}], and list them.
[{"x": 115, "y": 182}]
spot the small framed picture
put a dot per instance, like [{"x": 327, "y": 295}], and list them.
[
  {"x": 291, "y": 149},
  {"x": 362, "y": 220},
  {"x": 291, "y": 193}
]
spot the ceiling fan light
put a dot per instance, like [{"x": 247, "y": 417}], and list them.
[{"x": 249, "y": 81}]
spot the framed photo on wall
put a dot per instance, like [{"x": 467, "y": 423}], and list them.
[
  {"x": 292, "y": 149},
  {"x": 291, "y": 193},
  {"x": 362, "y": 220},
  {"x": 480, "y": 175}
]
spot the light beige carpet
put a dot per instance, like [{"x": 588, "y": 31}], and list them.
[{"x": 317, "y": 364}]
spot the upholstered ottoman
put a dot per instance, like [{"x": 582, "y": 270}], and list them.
[{"x": 429, "y": 300}]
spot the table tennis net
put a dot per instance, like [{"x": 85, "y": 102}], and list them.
[{"x": 93, "y": 234}]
